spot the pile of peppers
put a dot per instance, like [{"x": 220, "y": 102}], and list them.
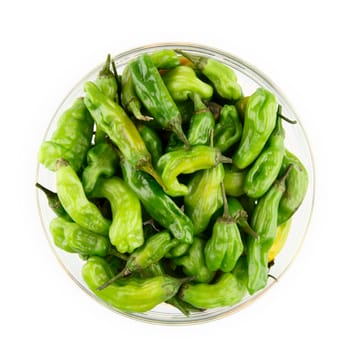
[{"x": 172, "y": 185}]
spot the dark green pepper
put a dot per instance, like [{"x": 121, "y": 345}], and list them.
[
  {"x": 182, "y": 81},
  {"x": 102, "y": 160},
  {"x": 157, "y": 204},
  {"x": 264, "y": 223},
  {"x": 71, "y": 139},
  {"x": 152, "y": 92},
  {"x": 204, "y": 197},
  {"x": 228, "y": 130},
  {"x": 72, "y": 238},
  {"x": 184, "y": 161},
  {"x": 193, "y": 262},
  {"x": 126, "y": 230},
  {"x": 152, "y": 142},
  {"x": 165, "y": 59},
  {"x": 266, "y": 167},
  {"x": 131, "y": 294},
  {"x": 71, "y": 194},
  {"x": 259, "y": 122},
  {"x": 296, "y": 187},
  {"x": 234, "y": 180}
]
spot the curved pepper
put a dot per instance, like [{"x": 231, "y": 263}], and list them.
[
  {"x": 296, "y": 187},
  {"x": 228, "y": 130},
  {"x": 72, "y": 238},
  {"x": 126, "y": 230},
  {"x": 131, "y": 294},
  {"x": 204, "y": 197},
  {"x": 234, "y": 180},
  {"x": 193, "y": 262},
  {"x": 154, "y": 95},
  {"x": 71, "y": 139},
  {"x": 152, "y": 142},
  {"x": 266, "y": 167},
  {"x": 71, "y": 194},
  {"x": 157, "y": 204},
  {"x": 183, "y": 161},
  {"x": 102, "y": 160},
  {"x": 112, "y": 119},
  {"x": 183, "y": 81},
  {"x": 259, "y": 122}
]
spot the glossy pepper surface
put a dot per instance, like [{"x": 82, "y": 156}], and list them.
[
  {"x": 154, "y": 95},
  {"x": 182, "y": 81},
  {"x": 71, "y": 194},
  {"x": 152, "y": 142},
  {"x": 165, "y": 59},
  {"x": 234, "y": 180},
  {"x": 126, "y": 231},
  {"x": 266, "y": 167},
  {"x": 130, "y": 294},
  {"x": 157, "y": 203},
  {"x": 259, "y": 122},
  {"x": 71, "y": 139}
]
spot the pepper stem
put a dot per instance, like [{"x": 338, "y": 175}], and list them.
[
  {"x": 242, "y": 217},
  {"x": 114, "y": 252},
  {"x": 148, "y": 168},
  {"x": 280, "y": 115},
  {"x": 224, "y": 159},
  {"x": 224, "y": 199},
  {"x": 48, "y": 193},
  {"x": 121, "y": 274}
]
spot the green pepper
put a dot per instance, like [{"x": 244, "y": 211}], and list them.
[
  {"x": 296, "y": 187},
  {"x": 193, "y": 262},
  {"x": 154, "y": 249},
  {"x": 264, "y": 223},
  {"x": 71, "y": 194},
  {"x": 112, "y": 119},
  {"x": 184, "y": 161},
  {"x": 266, "y": 167},
  {"x": 225, "y": 245},
  {"x": 259, "y": 122},
  {"x": 54, "y": 202},
  {"x": 157, "y": 204},
  {"x": 201, "y": 124},
  {"x": 102, "y": 160},
  {"x": 126, "y": 230},
  {"x": 154, "y": 95},
  {"x": 222, "y": 77},
  {"x": 165, "y": 59},
  {"x": 131, "y": 294},
  {"x": 204, "y": 197},
  {"x": 234, "y": 180},
  {"x": 228, "y": 130},
  {"x": 182, "y": 81},
  {"x": 241, "y": 106},
  {"x": 152, "y": 142},
  {"x": 71, "y": 139},
  {"x": 227, "y": 290},
  {"x": 72, "y": 238}
]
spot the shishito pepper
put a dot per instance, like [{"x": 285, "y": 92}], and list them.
[
  {"x": 183, "y": 81},
  {"x": 152, "y": 142},
  {"x": 154, "y": 95},
  {"x": 126, "y": 231},
  {"x": 157, "y": 203},
  {"x": 113, "y": 120},
  {"x": 259, "y": 122},
  {"x": 184, "y": 161},
  {"x": 165, "y": 59},
  {"x": 71, "y": 139},
  {"x": 234, "y": 180}
]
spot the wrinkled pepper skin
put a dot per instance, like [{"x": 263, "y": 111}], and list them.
[
  {"x": 183, "y": 161},
  {"x": 259, "y": 122},
  {"x": 182, "y": 81},
  {"x": 130, "y": 294},
  {"x": 204, "y": 197},
  {"x": 126, "y": 230},
  {"x": 201, "y": 124},
  {"x": 71, "y": 194},
  {"x": 158, "y": 204},
  {"x": 154, "y": 95},
  {"x": 165, "y": 59},
  {"x": 72, "y": 238},
  {"x": 264, "y": 223},
  {"x": 266, "y": 167},
  {"x": 296, "y": 187},
  {"x": 71, "y": 139},
  {"x": 152, "y": 142},
  {"x": 102, "y": 160},
  {"x": 228, "y": 130},
  {"x": 234, "y": 180},
  {"x": 112, "y": 120},
  {"x": 193, "y": 262}
]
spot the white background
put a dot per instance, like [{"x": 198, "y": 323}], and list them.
[{"x": 47, "y": 46}]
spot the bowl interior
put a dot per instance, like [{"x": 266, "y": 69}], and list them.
[{"x": 296, "y": 141}]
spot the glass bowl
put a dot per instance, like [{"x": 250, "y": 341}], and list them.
[{"x": 296, "y": 141}]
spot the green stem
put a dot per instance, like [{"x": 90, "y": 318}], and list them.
[{"x": 280, "y": 115}]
